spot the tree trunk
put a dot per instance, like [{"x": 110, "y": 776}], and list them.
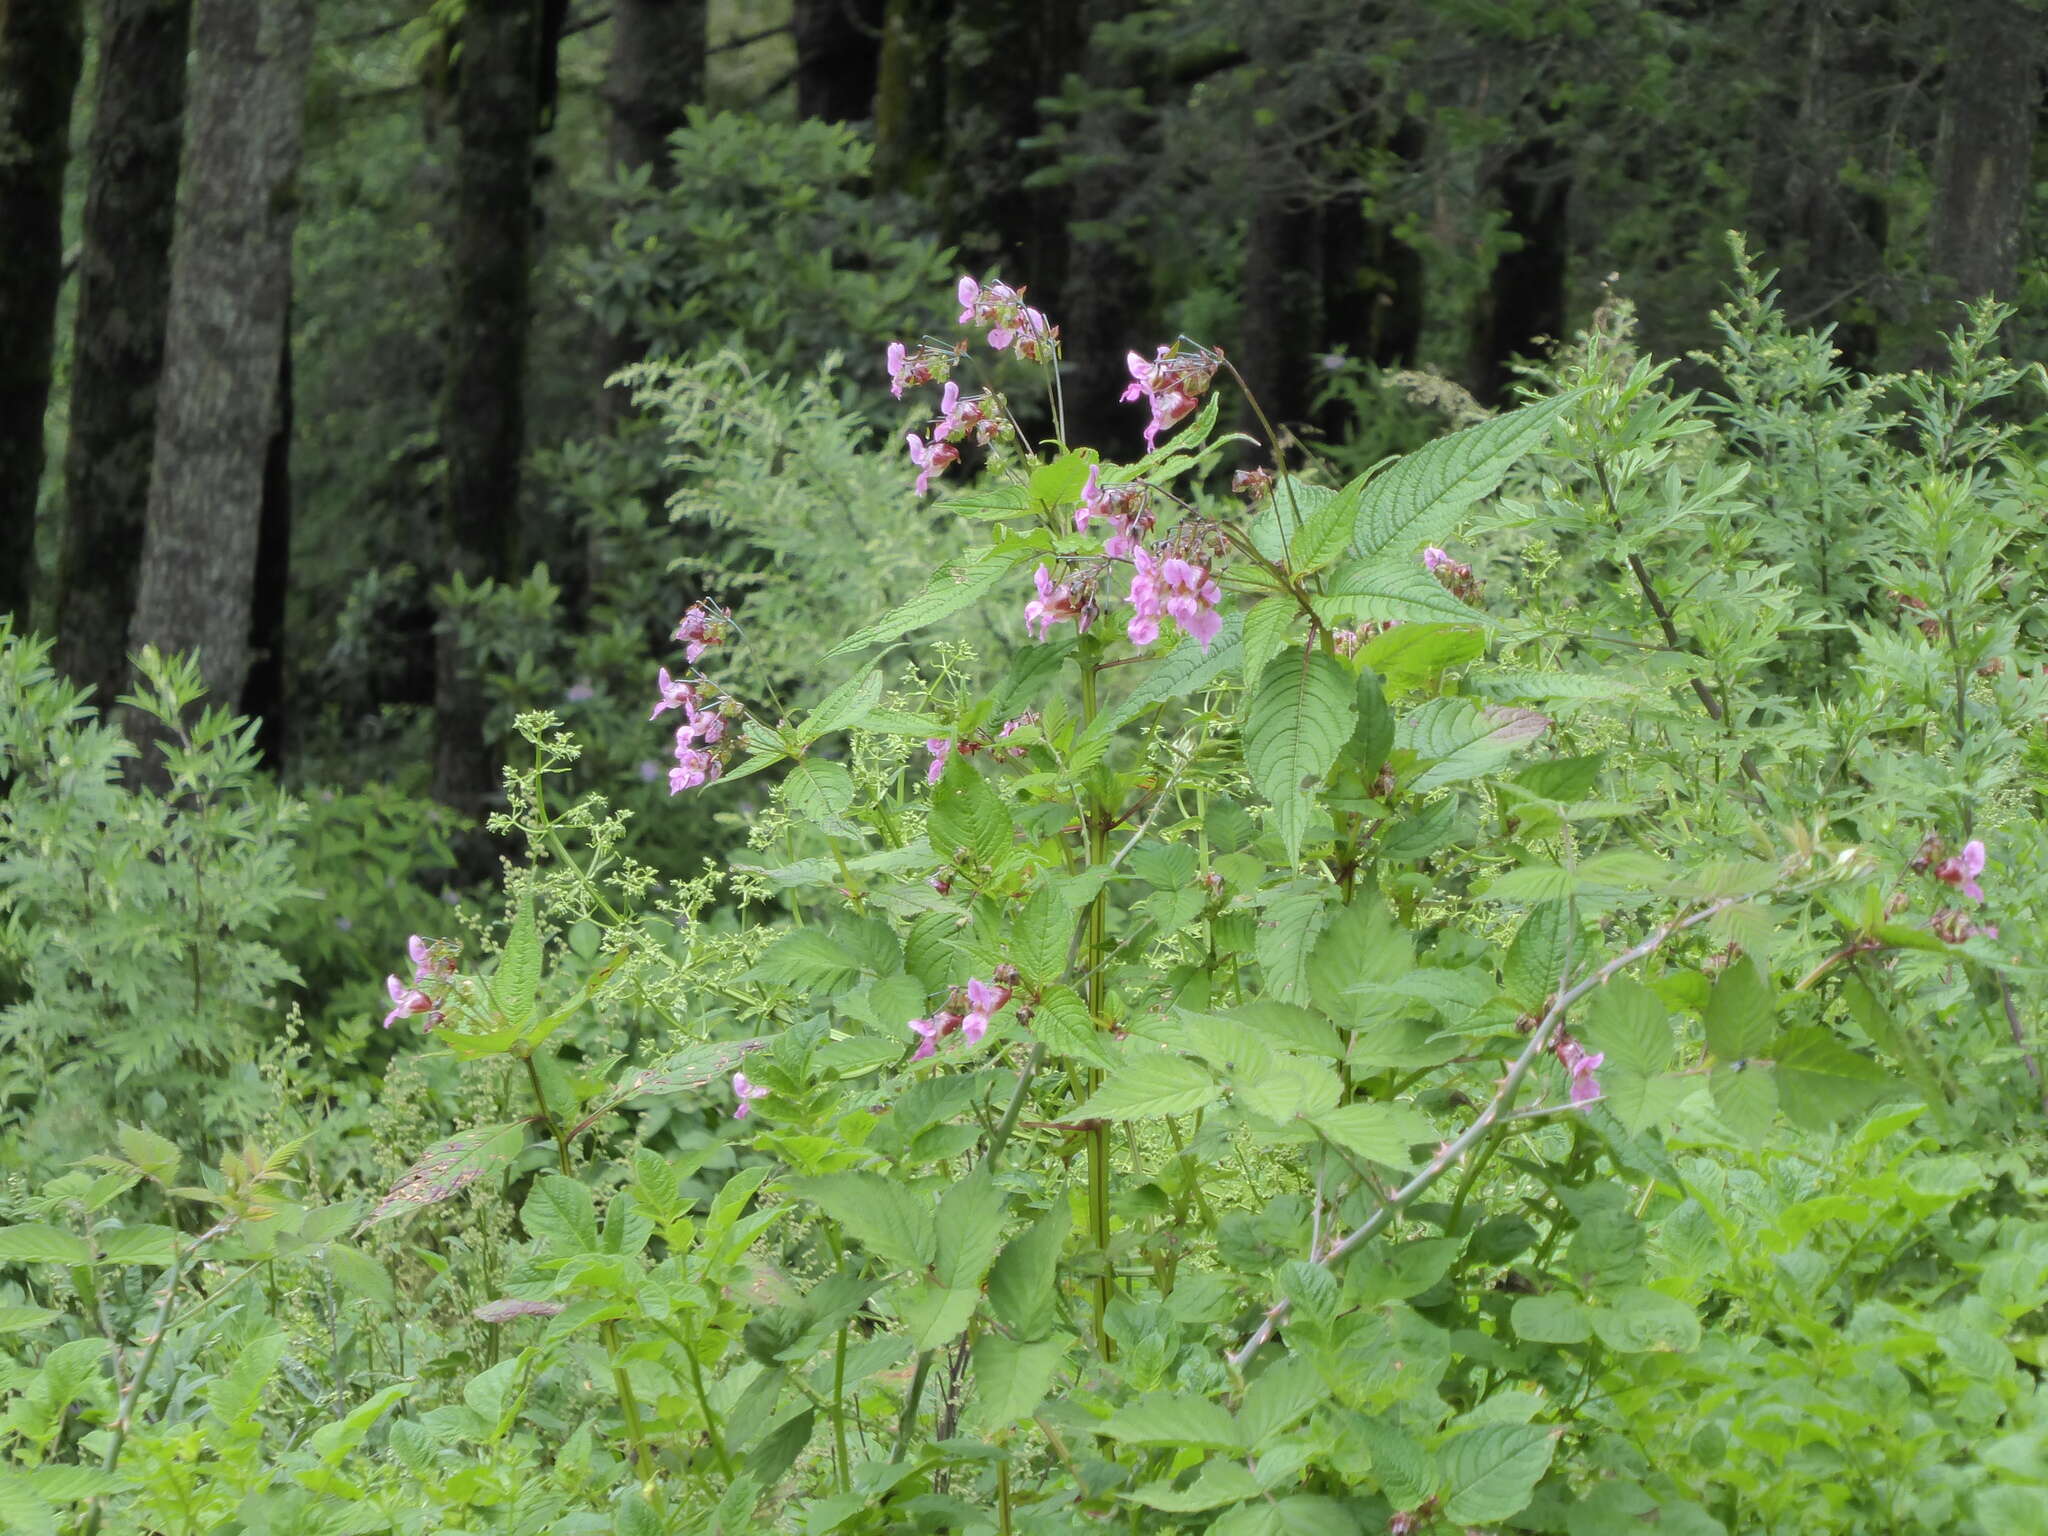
[
  {"x": 41, "y": 46},
  {"x": 1983, "y": 160},
  {"x": 1106, "y": 307},
  {"x": 1282, "y": 308},
  {"x": 838, "y": 57},
  {"x": 910, "y": 94},
  {"x": 117, "y": 347},
  {"x": 1001, "y": 56},
  {"x": 230, "y": 287},
  {"x": 1525, "y": 300},
  {"x": 263, "y": 696},
  {"x": 483, "y": 421}
]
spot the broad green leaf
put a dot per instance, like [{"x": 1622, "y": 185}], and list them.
[
  {"x": 1420, "y": 497},
  {"x": 1533, "y": 883},
  {"x": 1325, "y": 532},
  {"x": 1042, "y": 937},
  {"x": 559, "y": 1214},
  {"x": 1172, "y": 1418},
  {"x": 451, "y": 1166},
  {"x": 1741, "y": 1014},
  {"x": 146, "y": 1244},
  {"x": 23, "y": 1319},
  {"x": 970, "y": 1229},
  {"x": 934, "y": 1315},
  {"x": 1021, "y": 1287},
  {"x": 1635, "y": 1320},
  {"x": 1626, "y": 1022},
  {"x": 1507, "y": 683},
  {"x": 360, "y": 1275},
  {"x": 1537, "y": 957},
  {"x": 1148, "y": 1084},
  {"x": 1011, "y": 1378},
  {"x": 894, "y": 1221},
  {"x": 1490, "y": 1473},
  {"x": 1458, "y": 740},
  {"x": 153, "y": 1154},
  {"x": 1821, "y": 1081},
  {"x": 967, "y": 814},
  {"x": 516, "y": 981},
  {"x": 952, "y": 588},
  {"x": 1033, "y": 669},
  {"x": 808, "y": 960},
  {"x": 817, "y": 789},
  {"x": 1747, "y": 1098},
  {"x": 1302, "y": 713},
  {"x": 1266, "y": 627},
  {"x": 1287, "y": 1088},
  {"x": 1552, "y": 1319},
  {"x": 1411, "y": 653},
  {"x": 1380, "y": 1133},
  {"x": 842, "y": 707},
  {"x": 1058, "y": 485},
  {"x": 1219, "y": 1482},
  {"x": 37, "y": 1242},
  {"x": 1399, "y": 589},
  {"x": 1186, "y": 669},
  {"x": 235, "y": 1394},
  {"x": 1066, "y": 1028},
  {"x": 1288, "y": 929},
  {"x": 1286, "y": 1392}
]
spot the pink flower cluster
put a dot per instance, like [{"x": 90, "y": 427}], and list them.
[
  {"x": 1058, "y": 603},
  {"x": 1962, "y": 870},
  {"x": 942, "y": 750},
  {"x": 1010, "y": 321},
  {"x": 1174, "y": 587},
  {"x": 704, "y": 722},
  {"x": 969, "y": 1015},
  {"x": 1123, "y": 507},
  {"x": 1171, "y": 384},
  {"x": 923, "y": 366},
  {"x": 746, "y": 1092},
  {"x": 958, "y": 420},
  {"x": 430, "y": 967}
]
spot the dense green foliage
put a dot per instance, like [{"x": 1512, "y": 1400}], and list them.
[{"x": 1511, "y": 1010}]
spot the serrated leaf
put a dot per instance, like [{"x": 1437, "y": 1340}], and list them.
[
  {"x": 153, "y": 1154},
  {"x": 842, "y": 707},
  {"x": 516, "y": 981},
  {"x": 1552, "y": 1319},
  {"x": 1536, "y": 959},
  {"x": 1302, "y": 712},
  {"x": 1459, "y": 741},
  {"x": 1741, "y": 1014},
  {"x": 1412, "y": 653},
  {"x": 37, "y": 1242},
  {"x": 1266, "y": 627},
  {"x": 808, "y": 960},
  {"x": 1172, "y": 1418},
  {"x": 1400, "y": 590},
  {"x": 817, "y": 789},
  {"x": 1380, "y": 1133},
  {"x": 1011, "y": 1378},
  {"x": 1533, "y": 883},
  {"x": 1219, "y": 1482},
  {"x": 1627, "y": 1023},
  {"x": 952, "y": 588},
  {"x": 968, "y": 814},
  {"x": 560, "y": 1214},
  {"x": 1420, "y": 497},
  {"x": 1747, "y": 1099},
  {"x": 23, "y": 1319},
  {"x": 451, "y": 1166},
  {"x": 1066, "y": 1028},
  {"x": 1490, "y": 1473},
  {"x": 1022, "y": 1293},
  {"x": 1635, "y": 1320},
  {"x": 1151, "y": 1083},
  {"x": 1186, "y": 669},
  {"x": 1325, "y": 532},
  {"x": 894, "y": 1222},
  {"x": 1042, "y": 936},
  {"x": 1821, "y": 1081}
]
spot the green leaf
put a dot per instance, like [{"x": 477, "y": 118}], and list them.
[
  {"x": 1066, "y": 1028},
  {"x": 234, "y": 1395},
  {"x": 1822, "y": 1081},
  {"x": 449, "y": 1167},
  {"x": 1325, "y": 532},
  {"x": 968, "y": 814},
  {"x": 1747, "y": 1098},
  {"x": 1552, "y": 1319},
  {"x": 842, "y": 707},
  {"x": 138, "y": 1245},
  {"x": 807, "y": 959},
  {"x": 1151, "y": 1083},
  {"x": 1419, "y": 498},
  {"x": 23, "y": 1319},
  {"x": 952, "y": 588},
  {"x": 1459, "y": 741},
  {"x": 1626, "y": 1022},
  {"x": 1033, "y": 669},
  {"x": 1058, "y": 485},
  {"x": 970, "y": 1229},
  {"x": 559, "y": 1214},
  {"x": 1287, "y": 936},
  {"x": 1741, "y": 1013},
  {"x": 776, "y": 1452},
  {"x": 37, "y": 1242},
  {"x": 817, "y": 789},
  {"x": 895, "y": 1222},
  {"x": 1186, "y": 669},
  {"x": 155, "y": 1156},
  {"x": 516, "y": 982},
  {"x": 1536, "y": 960},
  {"x": 1380, "y": 1133},
  {"x": 1022, "y": 1292},
  {"x": 1397, "y": 589},
  {"x": 1533, "y": 883},
  {"x": 1011, "y": 1378},
  {"x": 1282, "y": 1394},
  {"x": 1042, "y": 936},
  {"x": 1413, "y": 653},
  {"x": 1219, "y": 1482},
  {"x": 1172, "y": 1418},
  {"x": 359, "y": 1274},
  {"x": 1635, "y": 1320},
  {"x": 1267, "y": 624},
  {"x": 1302, "y": 713},
  {"x": 1490, "y": 1473}
]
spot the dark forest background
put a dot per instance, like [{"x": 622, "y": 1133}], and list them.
[{"x": 308, "y": 309}]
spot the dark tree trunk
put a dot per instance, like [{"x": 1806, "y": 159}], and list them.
[
  {"x": 838, "y": 58},
  {"x": 263, "y": 696},
  {"x": 1984, "y": 157},
  {"x": 1373, "y": 282},
  {"x": 117, "y": 347},
  {"x": 1106, "y": 307},
  {"x": 1525, "y": 300},
  {"x": 1282, "y": 308},
  {"x": 41, "y": 45},
  {"x": 483, "y": 424},
  {"x": 230, "y": 288},
  {"x": 910, "y": 94},
  {"x": 1001, "y": 56}
]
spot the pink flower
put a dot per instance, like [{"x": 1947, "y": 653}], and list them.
[
  {"x": 1962, "y": 870},
  {"x": 1055, "y": 604},
  {"x": 970, "y": 299},
  {"x": 928, "y": 1030},
  {"x": 930, "y": 460},
  {"x": 1172, "y": 382},
  {"x": 983, "y": 999},
  {"x": 675, "y": 694},
  {"x": 1175, "y": 588},
  {"x": 699, "y": 630},
  {"x": 897, "y": 357},
  {"x": 693, "y": 767},
  {"x": 940, "y": 749},
  {"x": 746, "y": 1093},
  {"x": 427, "y": 967},
  {"x": 1121, "y": 506},
  {"x": 1009, "y": 319},
  {"x": 1433, "y": 559},
  {"x": 407, "y": 1001},
  {"x": 1582, "y": 1065}
]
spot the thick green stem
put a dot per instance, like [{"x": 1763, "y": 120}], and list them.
[
  {"x": 908, "y": 1422},
  {"x": 1095, "y": 945},
  {"x": 844, "y": 1463}
]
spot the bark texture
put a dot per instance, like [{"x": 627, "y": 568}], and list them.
[
  {"x": 230, "y": 293},
  {"x": 655, "y": 73},
  {"x": 838, "y": 57},
  {"x": 41, "y": 44},
  {"x": 1525, "y": 301},
  {"x": 117, "y": 345},
  {"x": 483, "y": 423},
  {"x": 910, "y": 93},
  {"x": 1986, "y": 147}
]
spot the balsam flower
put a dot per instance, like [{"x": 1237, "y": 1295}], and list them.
[
  {"x": 940, "y": 749},
  {"x": 1173, "y": 587},
  {"x": 675, "y": 694},
  {"x": 407, "y": 1001},
  {"x": 930, "y": 459},
  {"x": 1582, "y": 1064},
  {"x": 427, "y": 966},
  {"x": 930, "y": 1032},
  {"x": 746, "y": 1092},
  {"x": 984, "y": 998},
  {"x": 1056, "y": 603},
  {"x": 700, "y": 630},
  {"x": 1962, "y": 870},
  {"x": 1172, "y": 383},
  {"x": 1121, "y": 506}
]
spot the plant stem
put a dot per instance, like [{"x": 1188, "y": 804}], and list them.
[
  {"x": 1095, "y": 943},
  {"x": 839, "y": 1409},
  {"x": 908, "y": 1422}
]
